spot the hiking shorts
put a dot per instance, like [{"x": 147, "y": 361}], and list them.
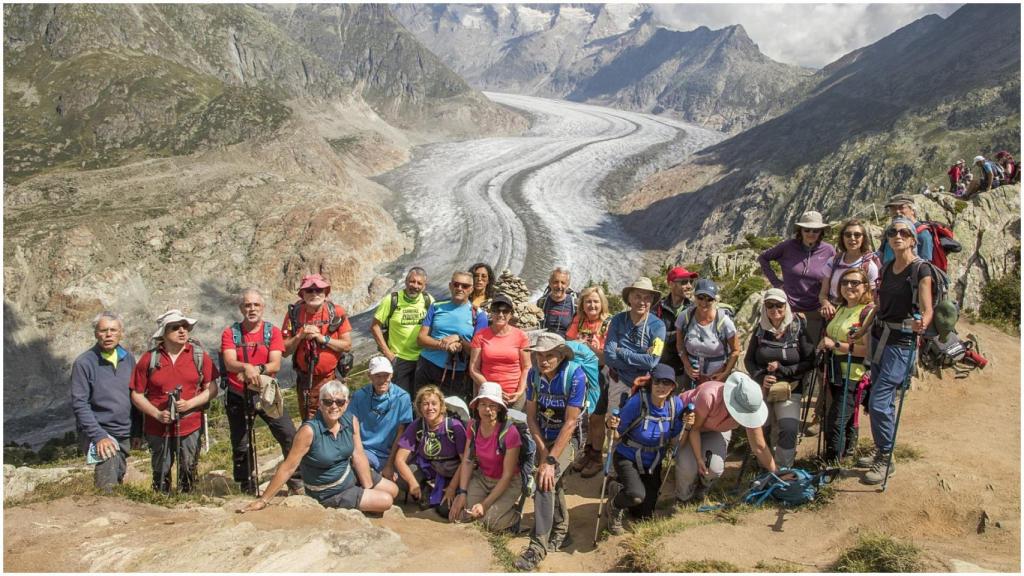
[{"x": 350, "y": 497}]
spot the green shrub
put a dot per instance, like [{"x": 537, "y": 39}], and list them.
[
  {"x": 879, "y": 553},
  {"x": 706, "y": 565},
  {"x": 1000, "y": 299}
]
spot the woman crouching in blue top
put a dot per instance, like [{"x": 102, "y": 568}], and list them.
[
  {"x": 328, "y": 452},
  {"x": 555, "y": 392},
  {"x": 648, "y": 423}
]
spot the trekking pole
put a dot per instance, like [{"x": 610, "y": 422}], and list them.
[
  {"x": 675, "y": 448},
  {"x": 899, "y": 411},
  {"x": 826, "y": 370},
  {"x": 805, "y": 409},
  {"x": 206, "y": 434},
  {"x": 609, "y": 442},
  {"x": 842, "y": 406},
  {"x": 312, "y": 356},
  {"x": 250, "y": 421},
  {"x": 172, "y": 407}
]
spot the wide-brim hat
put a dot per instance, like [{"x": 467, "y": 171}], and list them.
[
  {"x": 170, "y": 317},
  {"x": 642, "y": 284},
  {"x": 270, "y": 398},
  {"x": 490, "y": 391},
  {"x": 314, "y": 281},
  {"x": 542, "y": 341},
  {"x": 811, "y": 220},
  {"x": 744, "y": 401}
]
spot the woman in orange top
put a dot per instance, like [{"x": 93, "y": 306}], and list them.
[{"x": 590, "y": 326}]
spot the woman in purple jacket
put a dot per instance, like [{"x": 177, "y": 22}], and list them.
[{"x": 804, "y": 261}]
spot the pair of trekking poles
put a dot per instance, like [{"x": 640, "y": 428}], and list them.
[{"x": 172, "y": 408}]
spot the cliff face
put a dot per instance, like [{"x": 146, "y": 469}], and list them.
[
  {"x": 886, "y": 119},
  {"x": 165, "y": 156},
  {"x": 612, "y": 55}
]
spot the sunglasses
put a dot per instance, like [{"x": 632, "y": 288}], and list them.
[
  {"x": 901, "y": 232},
  {"x": 811, "y": 230},
  {"x": 340, "y": 402},
  {"x": 850, "y": 283},
  {"x": 177, "y": 326},
  {"x": 504, "y": 311},
  {"x": 461, "y": 285},
  {"x": 774, "y": 305},
  {"x": 704, "y": 298},
  {"x": 685, "y": 282},
  {"x": 853, "y": 234},
  {"x": 313, "y": 290}
]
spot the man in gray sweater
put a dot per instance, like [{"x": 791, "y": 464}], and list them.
[{"x": 101, "y": 400}]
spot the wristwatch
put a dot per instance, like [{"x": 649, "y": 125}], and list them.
[
  {"x": 459, "y": 491},
  {"x": 263, "y": 369},
  {"x": 551, "y": 460}
]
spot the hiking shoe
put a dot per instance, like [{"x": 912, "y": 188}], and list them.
[
  {"x": 868, "y": 459},
  {"x": 583, "y": 459},
  {"x": 528, "y": 560},
  {"x": 614, "y": 514},
  {"x": 560, "y": 542},
  {"x": 592, "y": 467},
  {"x": 812, "y": 429},
  {"x": 876, "y": 474}
]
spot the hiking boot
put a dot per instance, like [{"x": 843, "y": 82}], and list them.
[
  {"x": 812, "y": 429},
  {"x": 559, "y": 543},
  {"x": 593, "y": 466},
  {"x": 867, "y": 460},
  {"x": 583, "y": 459},
  {"x": 615, "y": 515},
  {"x": 528, "y": 560},
  {"x": 876, "y": 474}
]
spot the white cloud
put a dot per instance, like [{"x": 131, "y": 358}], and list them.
[{"x": 803, "y": 34}]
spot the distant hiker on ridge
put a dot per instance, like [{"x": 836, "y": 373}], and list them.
[{"x": 101, "y": 400}]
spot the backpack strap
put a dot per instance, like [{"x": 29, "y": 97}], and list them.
[
  {"x": 334, "y": 320},
  {"x": 394, "y": 306},
  {"x": 604, "y": 325},
  {"x": 197, "y": 358},
  {"x": 154, "y": 359},
  {"x": 268, "y": 332}
]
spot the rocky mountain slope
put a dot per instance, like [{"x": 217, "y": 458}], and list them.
[
  {"x": 885, "y": 119},
  {"x": 164, "y": 156},
  {"x": 616, "y": 55}
]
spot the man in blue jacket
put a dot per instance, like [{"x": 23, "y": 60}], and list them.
[
  {"x": 101, "y": 400},
  {"x": 634, "y": 342}
]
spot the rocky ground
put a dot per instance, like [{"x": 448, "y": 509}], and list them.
[{"x": 964, "y": 435}]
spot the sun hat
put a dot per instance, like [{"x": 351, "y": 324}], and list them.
[
  {"x": 170, "y": 317},
  {"x": 500, "y": 298},
  {"x": 744, "y": 401},
  {"x": 899, "y": 200},
  {"x": 642, "y": 284},
  {"x": 314, "y": 281},
  {"x": 380, "y": 364},
  {"x": 707, "y": 287},
  {"x": 491, "y": 391},
  {"x": 270, "y": 399},
  {"x": 663, "y": 372},
  {"x": 680, "y": 273},
  {"x": 776, "y": 294},
  {"x": 547, "y": 342},
  {"x": 811, "y": 220}
]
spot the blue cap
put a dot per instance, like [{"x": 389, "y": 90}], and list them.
[
  {"x": 663, "y": 372},
  {"x": 707, "y": 287}
]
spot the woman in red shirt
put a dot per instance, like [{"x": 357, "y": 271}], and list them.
[{"x": 497, "y": 354}]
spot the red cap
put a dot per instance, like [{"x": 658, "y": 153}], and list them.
[
  {"x": 314, "y": 281},
  {"x": 680, "y": 273}
]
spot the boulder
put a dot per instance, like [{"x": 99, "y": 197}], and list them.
[{"x": 18, "y": 482}]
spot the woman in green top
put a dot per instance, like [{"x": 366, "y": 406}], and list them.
[
  {"x": 329, "y": 452},
  {"x": 855, "y": 290}
]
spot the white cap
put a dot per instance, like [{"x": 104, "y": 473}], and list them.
[
  {"x": 978, "y": 159},
  {"x": 380, "y": 364}
]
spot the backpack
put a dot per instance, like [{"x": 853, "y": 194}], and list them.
[
  {"x": 790, "y": 487},
  {"x": 791, "y": 339},
  {"x": 865, "y": 265},
  {"x": 543, "y": 301},
  {"x": 642, "y": 420},
  {"x": 722, "y": 311},
  {"x": 584, "y": 357},
  {"x": 238, "y": 340},
  {"x": 943, "y": 242},
  {"x": 940, "y": 297},
  {"x": 345, "y": 359},
  {"x": 938, "y": 353},
  {"x": 527, "y": 451},
  {"x": 998, "y": 174},
  {"x": 197, "y": 359},
  {"x": 428, "y": 301}
]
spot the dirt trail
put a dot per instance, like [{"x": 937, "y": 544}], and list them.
[{"x": 967, "y": 433}]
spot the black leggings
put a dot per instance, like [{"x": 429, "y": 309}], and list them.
[
  {"x": 639, "y": 489},
  {"x": 833, "y": 426}
]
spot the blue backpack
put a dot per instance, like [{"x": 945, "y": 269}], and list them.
[
  {"x": 790, "y": 487},
  {"x": 584, "y": 357}
]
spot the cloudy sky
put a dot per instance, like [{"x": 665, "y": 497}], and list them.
[{"x": 803, "y": 34}]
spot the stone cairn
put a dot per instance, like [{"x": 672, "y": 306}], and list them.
[{"x": 526, "y": 316}]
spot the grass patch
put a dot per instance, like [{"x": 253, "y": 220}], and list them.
[
  {"x": 875, "y": 552},
  {"x": 504, "y": 557},
  {"x": 145, "y": 495},
  {"x": 75, "y": 485},
  {"x": 706, "y": 565},
  {"x": 777, "y": 566},
  {"x": 907, "y": 452},
  {"x": 642, "y": 545}
]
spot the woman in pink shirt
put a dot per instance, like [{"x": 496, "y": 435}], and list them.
[
  {"x": 489, "y": 484},
  {"x": 497, "y": 354},
  {"x": 720, "y": 408}
]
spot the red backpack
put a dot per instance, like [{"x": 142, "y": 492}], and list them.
[{"x": 943, "y": 242}]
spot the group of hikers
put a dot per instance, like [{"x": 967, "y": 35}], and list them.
[
  {"x": 992, "y": 174},
  {"x": 468, "y": 414}
]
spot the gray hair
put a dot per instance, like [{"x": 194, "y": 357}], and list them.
[
  {"x": 107, "y": 315},
  {"x": 417, "y": 271},
  {"x": 560, "y": 270},
  {"x": 333, "y": 388},
  {"x": 243, "y": 293}
]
